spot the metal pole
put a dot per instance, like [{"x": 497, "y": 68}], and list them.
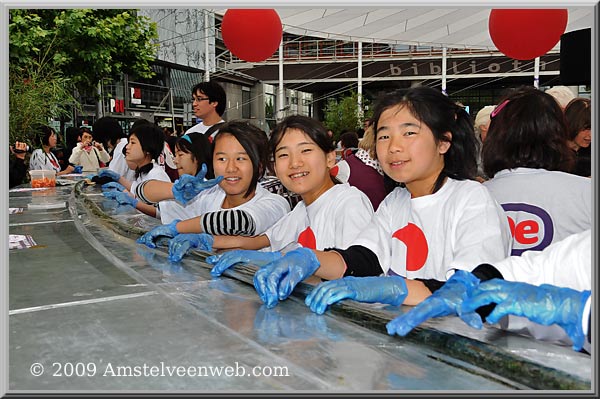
[
  {"x": 444, "y": 50},
  {"x": 281, "y": 96},
  {"x": 206, "y": 48},
  {"x": 360, "y": 112},
  {"x": 99, "y": 105},
  {"x": 172, "y": 109},
  {"x": 536, "y": 73}
]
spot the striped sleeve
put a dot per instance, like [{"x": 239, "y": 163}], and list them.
[
  {"x": 138, "y": 191},
  {"x": 234, "y": 222}
]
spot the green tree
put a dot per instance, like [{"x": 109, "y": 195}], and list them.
[
  {"x": 35, "y": 96},
  {"x": 342, "y": 114},
  {"x": 84, "y": 45},
  {"x": 55, "y": 54}
]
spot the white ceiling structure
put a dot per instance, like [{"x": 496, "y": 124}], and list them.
[{"x": 465, "y": 27}]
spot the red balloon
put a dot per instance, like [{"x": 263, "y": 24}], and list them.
[
  {"x": 525, "y": 34},
  {"x": 252, "y": 35}
]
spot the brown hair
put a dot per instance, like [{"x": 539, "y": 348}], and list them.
[
  {"x": 368, "y": 142},
  {"x": 578, "y": 115}
]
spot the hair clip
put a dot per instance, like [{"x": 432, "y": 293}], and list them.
[
  {"x": 498, "y": 108},
  {"x": 187, "y": 137}
]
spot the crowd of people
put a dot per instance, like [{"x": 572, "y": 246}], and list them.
[{"x": 484, "y": 218}]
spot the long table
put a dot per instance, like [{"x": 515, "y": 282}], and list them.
[{"x": 91, "y": 310}]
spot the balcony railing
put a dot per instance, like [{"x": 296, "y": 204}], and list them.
[{"x": 339, "y": 50}]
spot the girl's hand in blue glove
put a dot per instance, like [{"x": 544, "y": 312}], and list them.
[
  {"x": 187, "y": 186},
  {"x": 111, "y": 174},
  {"x": 113, "y": 186},
  {"x": 391, "y": 290},
  {"x": 545, "y": 304},
  {"x": 276, "y": 281},
  {"x": 165, "y": 230},
  {"x": 224, "y": 261},
  {"x": 78, "y": 169},
  {"x": 181, "y": 244},
  {"x": 121, "y": 197},
  {"x": 443, "y": 302}
]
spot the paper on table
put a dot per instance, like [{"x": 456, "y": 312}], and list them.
[{"x": 19, "y": 241}]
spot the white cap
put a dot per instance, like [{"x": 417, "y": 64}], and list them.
[{"x": 562, "y": 95}]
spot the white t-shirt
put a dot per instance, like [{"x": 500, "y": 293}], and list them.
[
  {"x": 542, "y": 206},
  {"x": 566, "y": 263},
  {"x": 202, "y": 128},
  {"x": 265, "y": 208},
  {"x": 460, "y": 227},
  {"x": 156, "y": 173},
  {"x": 118, "y": 163},
  {"x": 332, "y": 221}
]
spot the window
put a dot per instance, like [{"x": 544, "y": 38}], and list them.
[{"x": 246, "y": 103}]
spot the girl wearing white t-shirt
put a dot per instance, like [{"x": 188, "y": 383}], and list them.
[
  {"x": 329, "y": 215},
  {"x": 145, "y": 144},
  {"x": 233, "y": 203},
  {"x": 436, "y": 219}
]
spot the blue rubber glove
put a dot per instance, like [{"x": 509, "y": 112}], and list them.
[
  {"x": 165, "y": 230},
  {"x": 113, "y": 186},
  {"x": 545, "y": 304},
  {"x": 121, "y": 197},
  {"x": 110, "y": 174},
  {"x": 181, "y": 244},
  {"x": 443, "y": 302},
  {"x": 224, "y": 261},
  {"x": 78, "y": 169},
  {"x": 276, "y": 281},
  {"x": 391, "y": 290},
  {"x": 187, "y": 186}
]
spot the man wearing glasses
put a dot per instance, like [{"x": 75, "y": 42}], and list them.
[{"x": 208, "y": 101}]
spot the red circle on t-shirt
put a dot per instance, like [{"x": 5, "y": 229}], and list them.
[
  {"x": 416, "y": 246},
  {"x": 307, "y": 239}
]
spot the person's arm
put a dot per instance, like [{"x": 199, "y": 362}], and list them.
[
  {"x": 230, "y": 222},
  {"x": 239, "y": 242},
  {"x": 76, "y": 154},
  {"x": 103, "y": 156},
  {"x": 149, "y": 210},
  {"x": 68, "y": 170},
  {"x": 153, "y": 191},
  {"x": 17, "y": 170},
  {"x": 36, "y": 161}
]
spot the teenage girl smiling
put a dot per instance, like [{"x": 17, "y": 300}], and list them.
[
  {"x": 329, "y": 215},
  {"x": 436, "y": 220}
]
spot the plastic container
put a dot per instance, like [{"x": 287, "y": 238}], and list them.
[{"x": 43, "y": 178}]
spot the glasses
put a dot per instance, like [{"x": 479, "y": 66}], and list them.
[{"x": 199, "y": 99}]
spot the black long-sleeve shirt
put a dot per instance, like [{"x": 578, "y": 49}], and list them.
[{"x": 17, "y": 171}]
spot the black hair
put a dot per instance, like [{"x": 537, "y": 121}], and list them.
[
  {"x": 528, "y": 130},
  {"x": 254, "y": 141},
  {"x": 108, "y": 130},
  {"x": 152, "y": 142},
  {"x": 214, "y": 92},
  {"x": 578, "y": 115},
  {"x": 441, "y": 115},
  {"x": 311, "y": 127},
  {"x": 138, "y": 122},
  {"x": 43, "y": 138},
  {"x": 201, "y": 150},
  {"x": 71, "y": 135},
  {"x": 349, "y": 140}
]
